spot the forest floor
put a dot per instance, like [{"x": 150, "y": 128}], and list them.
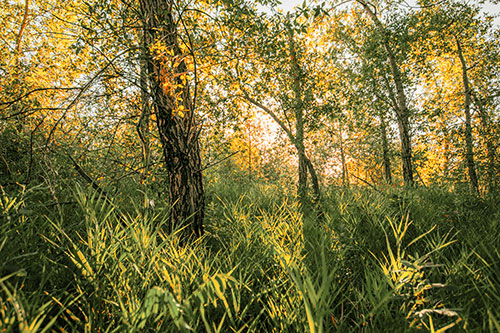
[{"x": 390, "y": 260}]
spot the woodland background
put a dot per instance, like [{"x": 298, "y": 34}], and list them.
[{"x": 223, "y": 165}]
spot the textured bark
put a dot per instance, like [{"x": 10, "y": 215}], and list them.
[
  {"x": 178, "y": 132},
  {"x": 469, "y": 152},
  {"x": 401, "y": 107}
]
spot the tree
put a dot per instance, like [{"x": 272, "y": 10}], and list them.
[
  {"x": 359, "y": 80},
  {"x": 167, "y": 63},
  {"x": 400, "y": 100},
  {"x": 469, "y": 153},
  {"x": 452, "y": 33},
  {"x": 281, "y": 56}
]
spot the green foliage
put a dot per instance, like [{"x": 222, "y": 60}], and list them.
[{"x": 395, "y": 260}]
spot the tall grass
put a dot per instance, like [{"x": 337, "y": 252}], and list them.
[{"x": 392, "y": 261}]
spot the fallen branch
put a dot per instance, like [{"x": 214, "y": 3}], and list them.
[
  {"x": 368, "y": 183},
  {"x": 85, "y": 176},
  {"x": 209, "y": 165}
]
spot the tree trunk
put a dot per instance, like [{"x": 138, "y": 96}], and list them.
[
  {"x": 446, "y": 163},
  {"x": 297, "y": 139},
  {"x": 385, "y": 149},
  {"x": 295, "y": 73},
  {"x": 469, "y": 152},
  {"x": 304, "y": 163},
  {"x": 345, "y": 176},
  {"x": 406, "y": 153},
  {"x": 314, "y": 181},
  {"x": 487, "y": 138},
  {"x": 302, "y": 185},
  {"x": 249, "y": 126},
  {"x": 21, "y": 30},
  {"x": 402, "y": 113},
  {"x": 175, "y": 116},
  {"x": 143, "y": 125}
]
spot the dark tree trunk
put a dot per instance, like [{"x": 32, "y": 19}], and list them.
[
  {"x": 295, "y": 73},
  {"x": 175, "y": 116},
  {"x": 469, "y": 152}
]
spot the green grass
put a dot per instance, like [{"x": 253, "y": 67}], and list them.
[{"x": 425, "y": 259}]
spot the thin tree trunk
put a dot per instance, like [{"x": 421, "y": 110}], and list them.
[
  {"x": 143, "y": 124},
  {"x": 291, "y": 137},
  {"x": 249, "y": 125},
  {"x": 314, "y": 181},
  {"x": 295, "y": 73},
  {"x": 446, "y": 164},
  {"x": 401, "y": 106},
  {"x": 445, "y": 167},
  {"x": 403, "y": 119},
  {"x": 469, "y": 152},
  {"x": 175, "y": 117},
  {"x": 345, "y": 176},
  {"x": 487, "y": 138},
  {"x": 21, "y": 30},
  {"x": 385, "y": 149},
  {"x": 304, "y": 163}
]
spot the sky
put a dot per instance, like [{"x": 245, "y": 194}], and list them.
[{"x": 288, "y": 5}]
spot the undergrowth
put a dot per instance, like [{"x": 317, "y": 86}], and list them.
[{"x": 396, "y": 260}]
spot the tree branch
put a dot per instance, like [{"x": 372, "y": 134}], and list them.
[{"x": 270, "y": 112}]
